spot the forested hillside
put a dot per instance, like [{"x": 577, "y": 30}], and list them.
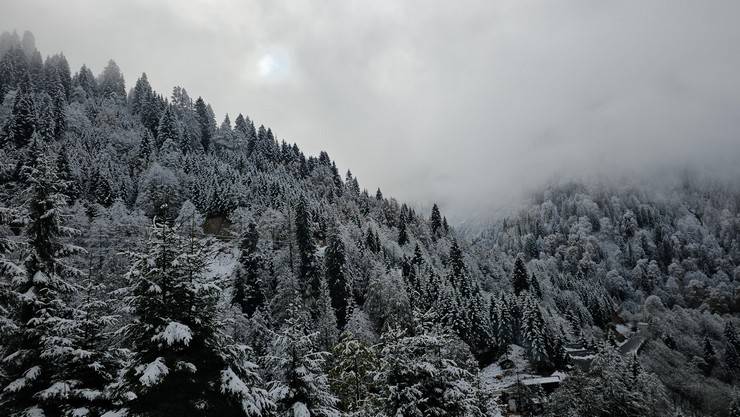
[
  {"x": 156, "y": 262},
  {"x": 606, "y": 257}
]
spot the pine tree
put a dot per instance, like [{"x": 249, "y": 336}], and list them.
[
  {"x": 183, "y": 363},
  {"x": 37, "y": 347},
  {"x": 370, "y": 241},
  {"x": 303, "y": 387},
  {"x": 732, "y": 360},
  {"x": 520, "y": 279},
  {"x": 505, "y": 329},
  {"x": 248, "y": 293},
  {"x": 308, "y": 273},
  {"x": 206, "y": 122},
  {"x": 709, "y": 355},
  {"x": 140, "y": 95},
  {"x": 535, "y": 285},
  {"x": 94, "y": 359},
  {"x": 325, "y": 319},
  {"x": 351, "y": 373},
  {"x": 730, "y": 334},
  {"x": 22, "y": 121},
  {"x": 168, "y": 129},
  {"x": 336, "y": 276},
  {"x": 111, "y": 83},
  {"x": 403, "y": 236},
  {"x": 533, "y": 332},
  {"x": 86, "y": 80},
  {"x": 144, "y": 155},
  {"x": 417, "y": 376},
  {"x": 435, "y": 222}
]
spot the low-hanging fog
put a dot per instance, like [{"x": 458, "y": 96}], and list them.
[{"x": 465, "y": 104}]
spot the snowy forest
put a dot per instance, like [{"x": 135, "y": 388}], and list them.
[{"x": 157, "y": 262}]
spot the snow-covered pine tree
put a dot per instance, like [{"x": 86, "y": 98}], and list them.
[
  {"x": 533, "y": 331},
  {"x": 418, "y": 376},
  {"x": 303, "y": 386},
  {"x": 519, "y": 278},
  {"x": 168, "y": 129},
  {"x": 21, "y": 124},
  {"x": 207, "y": 123},
  {"x": 325, "y": 319},
  {"x": 435, "y": 222},
  {"x": 37, "y": 348},
  {"x": 351, "y": 373},
  {"x": 247, "y": 292},
  {"x": 183, "y": 363},
  {"x": 535, "y": 285},
  {"x": 336, "y": 277},
  {"x": 476, "y": 329},
  {"x": 308, "y": 269},
  {"x": 403, "y": 236},
  {"x": 505, "y": 328}
]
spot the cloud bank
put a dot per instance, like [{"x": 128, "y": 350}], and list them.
[{"x": 466, "y": 103}]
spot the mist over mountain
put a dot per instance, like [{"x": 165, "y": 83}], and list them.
[{"x": 462, "y": 104}]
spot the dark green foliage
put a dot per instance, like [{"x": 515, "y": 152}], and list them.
[
  {"x": 303, "y": 387},
  {"x": 403, "y": 236},
  {"x": 435, "y": 222},
  {"x": 308, "y": 269},
  {"x": 206, "y": 122},
  {"x": 22, "y": 122},
  {"x": 37, "y": 346},
  {"x": 519, "y": 278},
  {"x": 248, "y": 293},
  {"x": 183, "y": 363},
  {"x": 535, "y": 285},
  {"x": 351, "y": 375},
  {"x": 337, "y": 279}
]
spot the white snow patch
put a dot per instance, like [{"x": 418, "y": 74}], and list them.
[
  {"x": 153, "y": 373},
  {"x": 34, "y": 412},
  {"x": 174, "y": 333},
  {"x": 20, "y": 383},
  {"x": 300, "y": 410},
  {"x": 80, "y": 412},
  {"x": 623, "y": 330},
  {"x": 56, "y": 390}
]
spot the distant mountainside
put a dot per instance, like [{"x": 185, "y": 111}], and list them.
[
  {"x": 604, "y": 255},
  {"x": 158, "y": 263}
]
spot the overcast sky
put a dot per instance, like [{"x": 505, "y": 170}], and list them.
[{"x": 462, "y": 102}]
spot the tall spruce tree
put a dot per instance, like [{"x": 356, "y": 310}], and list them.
[
  {"x": 21, "y": 124},
  {"x": 183, "y": 363},
  {"x": 37, "y": 347},
  {"x": 336, "y": 277},
  {"x": 351, "y": 373},
  {"x": 435, "y": 222},
  {"x": 302, "y": 388},
  {"x": 418, "y": 377},
  {"x": 403, "y": 237},
  {"x": 519, "y": 278},
  {"x": 206, "y": 122},
  {"x": 308, "y": 269},
  {"x": 168, "y": 129},
  {"x": 248, "y": 293}
]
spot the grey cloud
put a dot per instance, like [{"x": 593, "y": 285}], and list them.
[{"x": 466, "y": 103}]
